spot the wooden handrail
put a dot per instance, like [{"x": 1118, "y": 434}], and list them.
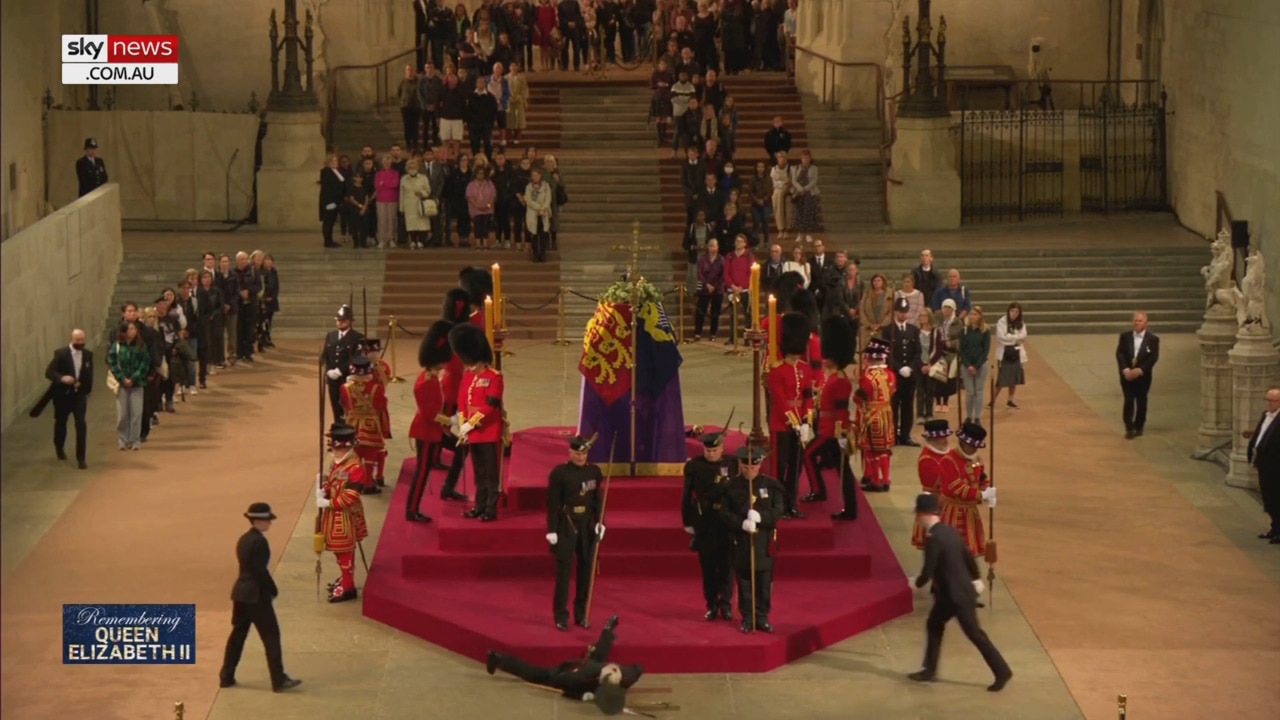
[{"x": 331, "y": 95}]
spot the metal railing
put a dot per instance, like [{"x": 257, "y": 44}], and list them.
[{"x": 383, "y": 90}]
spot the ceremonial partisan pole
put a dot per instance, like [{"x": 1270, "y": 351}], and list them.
[
  {"x": 991, "y": 511},
  {"x": 318, "y": 540},
  {"x": 595, "y": 553}
]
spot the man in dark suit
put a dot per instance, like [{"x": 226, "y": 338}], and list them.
[
  {"x": 90, "y": 170},
  {"x": 333, "y": 188},
  {"x": 904, "y": 359},
  {"x": 956, "y": 588},
  {"x": 251, "y": 598},
  {"x": 771, "y": 272},
  {"x": 437, "y": 171},
  {"x": 70, "y": 375},
  {"x": 1264, "y": 455},
  {"x": 1136, "y": 357},
  {"x": 821, "y": 267},
  {"x": 340, "y": 346}
]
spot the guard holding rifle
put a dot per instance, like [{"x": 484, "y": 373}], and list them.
[
  {"x": 753, "y": 504},
  {"x": 705, "y": 479},
  {"x": 479, "y": 416},
  {"x": 573, "y": 529}
]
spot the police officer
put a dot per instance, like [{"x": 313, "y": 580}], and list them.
[
  {"x": 340, "y": 345},
  {"x": 90, "y": 170},
  {"x": 705, "y": 479},
  {"x": 752, "y": 506},
  {"x": 573, "y": 529}
]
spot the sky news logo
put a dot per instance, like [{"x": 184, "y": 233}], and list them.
[{"x": 119, "y": 59}]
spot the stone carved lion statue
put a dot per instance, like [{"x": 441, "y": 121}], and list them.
[
  {"x": 1219, "y": 288},
  {"x": 1251, "y": 298}
]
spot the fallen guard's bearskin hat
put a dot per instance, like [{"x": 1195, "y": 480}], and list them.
[
  {"x": 457, "y": 305},
  {"x": 973, "y": 435},
  {"x": 794, "y": 338},
  {"x": 470, "y": 344},
  {"x": 434, "y": 348},
  {"x": 361, "y": 365},
  {"x": 371, "y": 344},
  {"x": 577, "y": 443},
  {"x": 937, "y": 429},
  {"x": 751, "y": 455},
  {"x": 927, "y": 504},
  {"x": 805, "y": 303},
  {"x": 876, "y": 348},
  {"x": 342, "y": 434},
  {"x": 610, "y": 699},
  {"x": 788, "y": 284},
  {"x": 837, "y": 341},
  {"x": 345, "y": 313},
  {"x": 478, "y": 284},
  {"x": 260, "y": 511}
]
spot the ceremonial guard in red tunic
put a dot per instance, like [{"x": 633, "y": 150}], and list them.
[
  {"x": 830, "y": 447},
  {"x": 479, "y": 416},
  {"x": 933, "y": 457},
  {"x": 342, "y": 520},
  {"x": 458, "y": 308},
  {"x": 429, "y": 423},
  {"x": 965, "y": 487},
  {"x": 790, "y": 391},
  {"x": 365, "y": 402},
  {"x": 573, "y": 529},
  {"x": 705, "y": 479},
  {"x": 876, "y": 430}
]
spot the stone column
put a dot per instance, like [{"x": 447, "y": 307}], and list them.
[
  {"x": 1254, "y": 365},
  {"x": 292, "y": 155},
  {"x": 924, "y": 161},
  {"x": 1217, "y": 335}
]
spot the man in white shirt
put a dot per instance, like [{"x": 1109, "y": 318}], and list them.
[
  {"x": 70, "y": 375},
  {"x": 1264, "y": 456},
  {"x": 1136, "y": 356}
]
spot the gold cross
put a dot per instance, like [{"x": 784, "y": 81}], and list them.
[{"x": 635, "y": 248}]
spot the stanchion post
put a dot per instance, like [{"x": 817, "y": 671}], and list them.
[
  {"x": 502, "y": 330},
  {"x": 561, "y": 340},
  {"x": 755, "y": 336},
  {"x": 1123, "y": 702},
  {"x": 684, "y": 336},
  {"x": 179, "y": 711},
  {"x": 391, "y": 343},
  {"x": 734, "y": 350}
]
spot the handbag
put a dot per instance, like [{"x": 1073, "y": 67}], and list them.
[
  {"x": 1011, "y": 354},
  {"x": 938, "y": 371},
  {"x": 428, "y": 207},
  {"x": 562, "y": 195}
]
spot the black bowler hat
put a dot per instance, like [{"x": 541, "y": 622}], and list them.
[
  {"x": 361, "y": 365},
  {"x": 90, "y": 144},
  {"x": 901, "y": 305},
  {"x": 972, "y": 434},
  {"x": 260, "y": 511},
  {"x": 577, "y": 443},
  {"x": 751, "y": 455},
  {"x": 936, "y": 428},
  {"x": 927, "y": 504}
]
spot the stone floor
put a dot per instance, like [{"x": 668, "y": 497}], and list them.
[{"x": 356, "y": 667}]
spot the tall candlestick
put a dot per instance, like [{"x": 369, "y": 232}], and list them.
[
  {"x": 500, "y": 319},
  {"x": 488, "y": 319},
  {"x": 753, "y": 294},
  {"x": 773, "y": 329}
]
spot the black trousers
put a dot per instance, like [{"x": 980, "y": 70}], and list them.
[
  {"x": 428, "y": 455},
  {"x": 502, "y": 219},
  {"x": 484, "y": 465},
  {"x": 904, "y": 405},
  {"x": 1135, "y": 402},
  {"x": 409, "y": 116},
  {"x": 150, "y": 405},
  {"x": 762, "y": 603},
  {"x": 262, "y": 616},
  {"x": 787, "y": 457},
  {"x": 705, "y": 304},
  {"x": 481, "y": 135},
  {"x": 63, "y": 408},
  {"x": 328, "y": 219},
  {"x": 717, "y": 575},
  {"x": 540, "y": 240},
  {"x": 565, "y": 676},
  {"x": 575, "y": 44},
  {"x": 335, "y": 399},
  {"x": 817, "y": 456},
  {"x": 456, "y": 466},
  {"x": 573, "y": 562},
  {"x": 967, "y": 615},
  {"x": 1269, "y": 488},
  {"x": 246, "y": 329}
]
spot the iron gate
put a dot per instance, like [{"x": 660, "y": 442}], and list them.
[
  {"x": 1122, "y": 156},
  {"x": 1011, "y": 164}
]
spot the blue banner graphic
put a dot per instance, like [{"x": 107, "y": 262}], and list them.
[{"x": 128, "y": 634}]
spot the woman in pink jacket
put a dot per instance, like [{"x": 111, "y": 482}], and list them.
[
  {"x": 481, "y": 195},
  {"x": 386, "y": 188}
]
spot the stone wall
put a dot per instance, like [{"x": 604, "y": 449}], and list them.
[{"x": 58, "y": 275}]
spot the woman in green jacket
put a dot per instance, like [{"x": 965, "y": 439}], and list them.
[
  {"x": 129, "y": 363},
  {"x": 975, "y": 359}
]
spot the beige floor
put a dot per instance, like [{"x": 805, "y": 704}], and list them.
[{"x": 1073, "y": 651}]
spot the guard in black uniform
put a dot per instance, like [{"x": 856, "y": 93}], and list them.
[
  {"x": 705, "y": 479},
  {"x": 90, "y": 170},
  {"x": 573, "y": 529},
  {"x": 340, "y": 346},
  {"x": 753, "y": 503}
]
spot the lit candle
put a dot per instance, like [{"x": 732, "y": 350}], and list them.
[
  {"x": 488, "y": 320},
  {"x": 499, "y": 320},
  {"x": 773, "y": 328},
  {"x": 753, "y": 293}
]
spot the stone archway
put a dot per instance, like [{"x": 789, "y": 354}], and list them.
[{"x": 1151, "y": 30}]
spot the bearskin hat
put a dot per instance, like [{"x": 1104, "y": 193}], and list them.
[
  {"x": 478, "y": 284},
  {"x": 837, "y": 341},
  {"x": 470, "y": 344},
  {"x": 794, "y": 338},
  {"x": 804, "y": 302},
  {"x": 457, "y": 305},
  {"x": 610, "y": 699},
  {"x": 788, "y": 284},
  {"x": 434, "y": 348}
]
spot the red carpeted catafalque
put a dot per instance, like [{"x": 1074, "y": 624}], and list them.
[{"x": 471, "y": 587}]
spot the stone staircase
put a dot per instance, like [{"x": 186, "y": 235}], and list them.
[
  {"x": 313, "y": 283},
  {"x": 847, "y": 150},
  {"x": 606, "y": 116},
  {"x": 606, "y": 197}
]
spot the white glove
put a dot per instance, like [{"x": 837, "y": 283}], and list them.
[
  {"x": 905, "y": 371},
  {"x": 991, "y": 503},
  {"x": 588, "y": 697},
  {"x": 330, "y": 206},
  {"x": 749, "y": 526},
  {"x": 322, "y": 502},
  {"x": 844, "y": 444},
  {"x": 989, "y": 497},
  {"x": 319, "y": 494},
  {"x": 911, "y": 582},
  {"x": 334, "y": 374},
  {"x": 553, "y": 538},
  {"x": 806, "y": 434},
  {"x": 465, "y": 428},
  {"x": 688, "y": 530},
  {"x": 599, "y": 531},
  {"x": 319, "y": 477},
  {"x": 454, "y": 428},
  {"x": 753, "y": 516},
  {"x": 979, "y": 587}
]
